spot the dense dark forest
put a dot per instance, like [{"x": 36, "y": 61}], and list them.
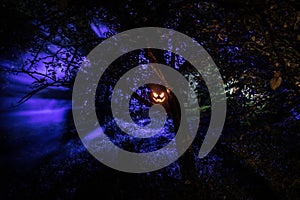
[{"x": 255, "y": 45}]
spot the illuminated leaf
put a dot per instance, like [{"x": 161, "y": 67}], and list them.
[{"x": 275, "y": 82}]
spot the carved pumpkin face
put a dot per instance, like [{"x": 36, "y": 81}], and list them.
[{"x": 158, "y": 97}]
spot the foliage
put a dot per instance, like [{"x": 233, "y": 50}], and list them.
[{"x": 255, "y": 44}]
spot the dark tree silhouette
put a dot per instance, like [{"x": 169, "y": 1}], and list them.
[{"x": 255, "y": 44}]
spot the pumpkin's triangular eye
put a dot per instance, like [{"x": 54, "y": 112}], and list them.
[
  {"x": 162, "y": 95},
  {"x": 155, "y": 94}
]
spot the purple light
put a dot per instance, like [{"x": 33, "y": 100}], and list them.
[
  {"x": 35, "y": 128},
  {"x": 100, "y": 28}
]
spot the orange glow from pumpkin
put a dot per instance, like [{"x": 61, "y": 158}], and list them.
[{"x": 159, "y": 98}]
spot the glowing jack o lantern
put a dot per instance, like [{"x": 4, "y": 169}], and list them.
[{"x": 158, "y": 97}]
